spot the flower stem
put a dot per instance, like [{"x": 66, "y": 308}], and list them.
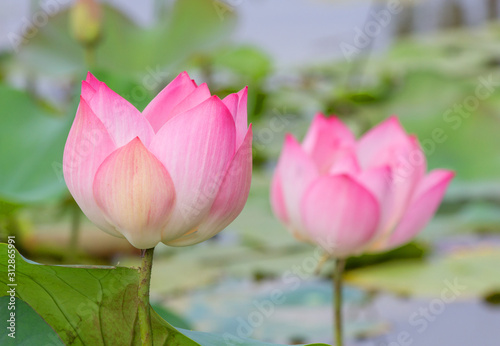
[
  {"x": 90, "y": 56},
  {"x": 337, "y": 291},
  {"x": 143, "y": 309}
]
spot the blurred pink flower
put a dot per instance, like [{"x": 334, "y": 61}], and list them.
[
  {"x": 177, "y": 173},
  {"x": 351, "y": 196}
]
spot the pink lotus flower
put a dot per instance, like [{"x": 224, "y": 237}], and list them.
[
  {"x": 352, "y": 196},
  {"x": 177, "y": 173}
]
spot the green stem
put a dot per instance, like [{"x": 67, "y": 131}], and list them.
[
  {"x": 337, "y": 291},
  {"x": 90, "y": 56},
  {"x": 144, "y": 309}
]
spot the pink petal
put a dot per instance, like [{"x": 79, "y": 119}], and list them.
[
  {"x": 200, "y": 94},
  {"x": 122, "y": 120},
  {"x": 278, "y": 200},
  {"x": 231, "y": 101},
  {"x": 93, "y": 81},
  {"x": 324, "y": 138},
  {"x": 296, "y": 171},
  {"x": 379, "y": 182},
  {"x": 344, "y": 162},
  {"x": 231, "y": 197},
  {"x": 388, "y": 145},
  {"x": 87, "y": 146},
  {"x": 422, "y": 208},
  {"x": 136, "y": 193},
  {"x": 408, "y": 161},
  {"x": 87, "y": 91},
  {"x": 340, "y": 215},
  {"x": 196, "y": 148},
  {"x": 406, "y": 175},
  {"x": 380, "y": 145},
  {"x": 237, "y": 105},
  {"x": 159, "y": 110}
]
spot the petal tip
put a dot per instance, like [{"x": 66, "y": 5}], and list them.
[
  {"x": 84, "y": 102},
  {"x": 446, "y": 174},
  {"x": 136, "y": 140},
  {"x": 391, "y": 121},
  {"x": 394, "y": 118},
  {"x": 92, "y": 80},
  {"x": 243, "y": 91},
  {"x": 450, "y": 172},
  {"x": 290, "y": 139}
]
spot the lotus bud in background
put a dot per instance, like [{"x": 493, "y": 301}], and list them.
[
  {"x": 350, "y": 196},
  {"x": 177, "y": 173},
  {"x": 86, "y": 22}
]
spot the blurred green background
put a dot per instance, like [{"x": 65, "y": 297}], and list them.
[{"x": 423, "y": 62}]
